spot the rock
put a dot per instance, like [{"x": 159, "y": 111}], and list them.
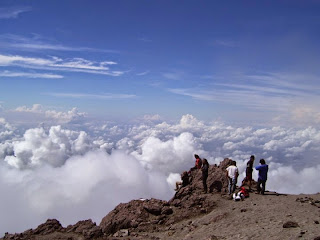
[
  {"x": 87, "y": 228},
  {"x": 166, "y": 210},
  {"x": 132, "y": 215},
  {"x": 122, "y": 233},
  {"x": 213, "y": 238},
  {"x": 290, "y": 224},
  {"x": 153, "y": 207},
  {"x": 50, "y": 226},
  {"x": 81, "y": 226},
  {"x": 93, "y": 233}
]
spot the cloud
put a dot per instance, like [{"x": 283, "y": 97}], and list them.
[
  {"x": 29, "y": 75},
  {"x": 39, "y": 43},
  {"x": 58, "y": 64},
  {"x": 174, "y": 75},
  {"x": 143, "y": 73},
  {"x": 224, "y": 43},
  {"x": 306, "y": 114},
  {"x": 142, "y": 39},
  {"x": 85, "y": 172},
  {"x": 38, "y": 148},
  {"x": 36, "y": 108},
  {"x": 71, "y": 116},
  {"x": 95, "y": 183},
  {"x": 13, "y": 12},
  {"x": 286, "y": 97},
  {"x": 155, "y": 117},
  {"x": 94, "y": 96},
  {"x": 6, "y": 132},
  {"x": 168, "y": 156},
  {"x": 301, "y": 181}
]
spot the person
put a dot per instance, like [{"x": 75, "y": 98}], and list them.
[
  {"x": 232, "y": 175},
  {"x": 204, "y": 169},
  {"x": 262, "y": 176},
  {"x": 185, "y": 181},
  {"x": 198, "y": 163},
  {"x": 249, "y": 171}
]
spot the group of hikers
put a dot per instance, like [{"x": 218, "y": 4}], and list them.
[{"x": 232, "y": 174}]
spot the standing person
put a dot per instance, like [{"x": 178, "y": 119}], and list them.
[
  {"x": 249, "y": 171},
  {"x": 204, "y": 169},
  {"x": 198, "y": 163},
  {"x": 232, "y": 175},
  {"x": 263, "y": 174}
]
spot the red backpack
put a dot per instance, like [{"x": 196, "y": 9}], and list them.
[{"x": 244, "y": 191}]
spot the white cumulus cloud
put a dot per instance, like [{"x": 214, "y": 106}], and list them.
[{"x": 85, "y": 172}]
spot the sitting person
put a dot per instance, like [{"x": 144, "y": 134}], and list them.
[
  {"x": 198, "y": 163},
  {"x": 185, "y": 181}
]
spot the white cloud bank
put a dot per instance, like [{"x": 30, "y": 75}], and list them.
[{"x": 83, "y": 173}]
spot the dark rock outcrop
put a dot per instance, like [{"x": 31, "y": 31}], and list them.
[{"x": 50, "y": 226}]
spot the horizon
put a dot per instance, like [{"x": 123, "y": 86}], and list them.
[{"x": 142, "y": 86}]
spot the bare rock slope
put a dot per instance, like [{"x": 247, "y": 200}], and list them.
[{"x": 191, "y": 214}]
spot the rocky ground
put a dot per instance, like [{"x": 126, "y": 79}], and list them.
[{"x": 192, "y": 214}]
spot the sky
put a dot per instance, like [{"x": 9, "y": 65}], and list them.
[
  {"x": 130, "y": 58},
  {"x": 105, "y": 102}
]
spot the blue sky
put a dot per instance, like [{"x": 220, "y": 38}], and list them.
[{"x": 237, "y": 61}]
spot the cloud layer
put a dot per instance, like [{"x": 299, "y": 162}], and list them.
[{"x": 78, "y": 171}]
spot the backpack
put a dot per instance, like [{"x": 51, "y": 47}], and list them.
[{"x": 244, "y": 191}]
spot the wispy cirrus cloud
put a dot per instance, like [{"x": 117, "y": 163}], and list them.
[
  {"x": 224, "y": 43},
  {"x": 13, "y": 12},
  {"x": 143, "y": 73},
  {"x": 58, "y": 64},
  {"x": 245, "y": 99},
  {"x": 144, "y": 39},
  {"x": 174, "y": 75},
  {"x": 38, "y": 43},
  {"x": 270, "y": 92},
  {"x": 92, "y": 96},
  {"x": 29, "y": 75}
]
